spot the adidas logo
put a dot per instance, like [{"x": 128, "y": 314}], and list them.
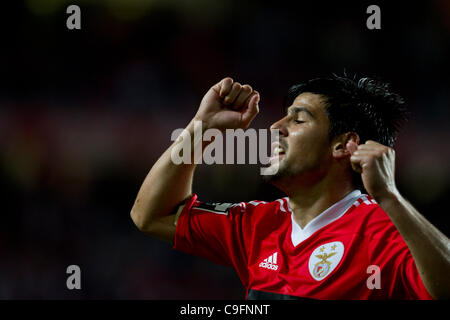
[{"x": 270, "y": 262}]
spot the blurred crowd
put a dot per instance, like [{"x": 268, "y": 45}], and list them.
[{"x": 85, "y": 113}]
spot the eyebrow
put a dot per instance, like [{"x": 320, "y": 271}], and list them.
[{"x": 296, "y": 110}]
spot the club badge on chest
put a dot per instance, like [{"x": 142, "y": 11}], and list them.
[{"x": 325, "y": 259}]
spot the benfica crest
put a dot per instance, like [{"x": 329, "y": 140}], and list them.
[{"x": 325, "y": 259}]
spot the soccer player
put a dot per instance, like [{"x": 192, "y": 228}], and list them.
[{"x": 326, "y": 239}]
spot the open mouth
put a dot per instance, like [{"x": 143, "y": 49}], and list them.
[{"x": 277, "y": 153}]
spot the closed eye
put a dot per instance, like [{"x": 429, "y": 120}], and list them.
[{"x": 299, "y": 121}]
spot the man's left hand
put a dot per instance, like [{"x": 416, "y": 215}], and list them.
[{"x": 376, "y": 163}]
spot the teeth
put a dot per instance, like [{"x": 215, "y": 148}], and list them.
[{"x": 278, "y": 150}]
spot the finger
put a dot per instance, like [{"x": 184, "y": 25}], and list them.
[
  {"x": 247, "y": 101},
  {"x": 226, "y": 85},
  {"x": 242, "y": 97},
  {"x": 361, "y": 158},
  {"x": 356, "y": 157},
  {"x": 231, "y": 96},
  {"x": 371, "y": 142},
  {"x": 252, "y": 110},
  {"x": 368, "y": 153},
  {"x": 371, "y": 147},
  {"x": 355, "y": 162},
  {"x": 365, "y": 147}
]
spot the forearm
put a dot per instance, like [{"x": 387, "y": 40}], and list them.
[
  {"x": 429, "y": 247},
  {"x": 226, "y": 105},
  {"x": 166, "y": 185}
]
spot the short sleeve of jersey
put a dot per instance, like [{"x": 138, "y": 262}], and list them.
[
  {"x": 214, "y": 231},
  {"x": 398, "y": 272}
]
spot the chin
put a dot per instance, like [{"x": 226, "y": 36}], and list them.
[{"x": 275, "y": 173}]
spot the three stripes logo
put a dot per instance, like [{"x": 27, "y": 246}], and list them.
[{"x": 270, "y": 262}]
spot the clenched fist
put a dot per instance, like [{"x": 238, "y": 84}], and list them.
[
  {"x": 228, "y": 105},
  {"x": 376, "y": 163}
]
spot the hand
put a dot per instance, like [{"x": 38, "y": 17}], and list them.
[
  {"x": 228, "y": 105},
  {"x": 376, "y": 163}
]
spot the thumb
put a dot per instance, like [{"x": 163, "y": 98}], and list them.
[
  {"x": 352, "y": 147},
  {"x": 252, "y": 110}
]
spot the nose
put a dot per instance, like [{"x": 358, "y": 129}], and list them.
[{"x": 279, "y": 125}]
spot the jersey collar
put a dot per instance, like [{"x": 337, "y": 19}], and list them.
[{"x": 331, "y": 214}]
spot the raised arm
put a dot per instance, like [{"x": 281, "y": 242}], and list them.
[
  {"x": 226, "y": 105},
  {"x": 429, "y": 247}
]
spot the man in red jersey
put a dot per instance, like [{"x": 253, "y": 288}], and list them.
[{"x": 326, "y": 239}]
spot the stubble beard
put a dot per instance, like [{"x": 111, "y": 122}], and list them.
[{"x": 281, "y": 173}]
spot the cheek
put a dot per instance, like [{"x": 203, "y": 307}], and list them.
[{"x": 308, "y": 145}]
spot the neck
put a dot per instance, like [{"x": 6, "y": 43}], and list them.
[{"x": 309, "y": 201}]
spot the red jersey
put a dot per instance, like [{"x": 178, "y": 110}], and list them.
[{"x": 352, "y": 250}]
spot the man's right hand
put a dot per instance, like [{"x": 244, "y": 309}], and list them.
[{"x": 228, "y": 105}]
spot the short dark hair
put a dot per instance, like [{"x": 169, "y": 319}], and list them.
[{"x": 365, "y": 106}]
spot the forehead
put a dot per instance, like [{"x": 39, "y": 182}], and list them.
[{"x": 315, "y": 103}]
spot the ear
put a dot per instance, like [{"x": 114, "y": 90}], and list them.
[{"x": 340, "y": 144}]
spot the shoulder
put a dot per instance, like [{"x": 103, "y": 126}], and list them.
[
  {"x": 376, "y": 222},
  {"x": 264, "y": 213},
  {"x": 271, "y": 207},
  {"x": 249, "y": 209},
  {"x": 370, "y": 218}
]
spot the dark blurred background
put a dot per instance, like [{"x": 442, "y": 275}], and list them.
[{"x": 85, "y": 113}]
